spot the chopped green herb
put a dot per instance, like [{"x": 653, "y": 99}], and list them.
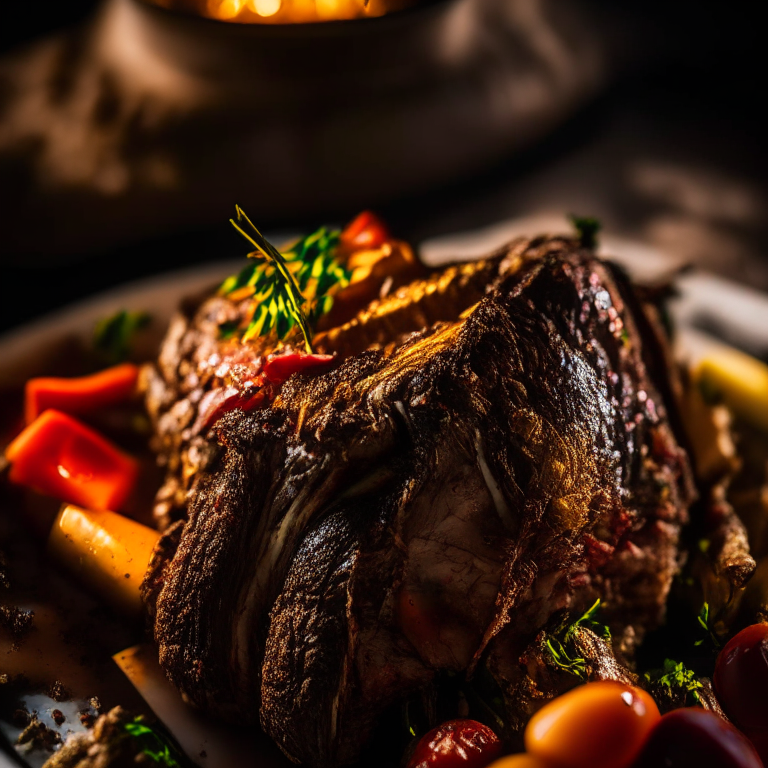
[
  {"x": 704, "y": 620},
  {"x": 587, "y": 228},
  {"x": 558, "y": 644},
  {"x": 588, "y": 621},
  {"x": 575, "y": 665},
  {"x": 113, "y": 336},
  {"x": 287, "y": 289},
  {"x": 675, "y": 674},
  {"x": 156, "y": 745}
]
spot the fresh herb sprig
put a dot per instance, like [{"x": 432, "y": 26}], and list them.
[
  {"x": 705, "y": 622},
  {"x": 286, "y": 290},
  {"x": 675, "y": 675},
  {"x": 113, "y": 336},
  {"x": 155, "y": 744},
  {"x": 558, "y": 644},
  {"x": 587, "y": 228}
]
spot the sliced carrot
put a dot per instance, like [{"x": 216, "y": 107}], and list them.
[
  {"x": 107, "y": 551},
  {"x": 61, "y": 457},
  {"x": 82, "y": 394}
]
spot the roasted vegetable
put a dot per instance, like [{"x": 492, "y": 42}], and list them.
[
  {"x": 108, "y": 552},
  {"x": 82, "y": 394},
  {"x": 61, "y": 457}
]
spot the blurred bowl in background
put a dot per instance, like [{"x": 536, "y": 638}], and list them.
[{"x": 148, "y": 121}]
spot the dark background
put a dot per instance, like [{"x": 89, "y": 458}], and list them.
[{"x": 688, "y": 92}]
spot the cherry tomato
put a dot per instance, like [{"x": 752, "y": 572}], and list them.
[
  {"x": 694, "y": 737},
  {"x": 523, "y": 760},
  {"x": 597, "y": 725},
  {"x": 366, "y": 230},
  {"x": 456, "y": 744},
  {"x": 741, "y": 678},
  {"x": 759, "y": 739}
]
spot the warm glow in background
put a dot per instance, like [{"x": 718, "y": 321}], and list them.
[{"x": 284, "y": 11}]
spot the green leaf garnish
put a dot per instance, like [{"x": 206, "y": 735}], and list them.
[
  {"x": 704, "y": 620},
  {"x": 676, "y": 675},
  {"x": 155, "y": 744},
  {"x": 113, "y": 336},
  {"x": 575, "y": 665},
  {"x": 587, "y": 228},
  {"x": 286, "y": 290},
  {"x": 558, "y": 644}
]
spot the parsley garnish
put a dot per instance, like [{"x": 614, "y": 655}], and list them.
[
  {"x": 675, "y": 674},
  {"x": 156, "y": 745},
  {"x": 287, "y": 289},
  {"x": 113, "y": 336},
  {"x": 557, "y": 645},
  {"x": 587, "y": 228}
]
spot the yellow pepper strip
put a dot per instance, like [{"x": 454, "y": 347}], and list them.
[
  {"x": 107, "y": 551},
  {"x": 739, "y": 379}
]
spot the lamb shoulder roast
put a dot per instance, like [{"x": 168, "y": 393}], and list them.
[{"x": 494, "y": 443}]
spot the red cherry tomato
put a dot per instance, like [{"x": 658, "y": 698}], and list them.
[
  {"x": 456, "y": 744},
  {"x": 693, "y": 737},
  {"x": 741, "y": 678},
  {"x": 366, "y": 230},
  {"x": 759, "y": 739},
  {"x": 597, "y": 725}
]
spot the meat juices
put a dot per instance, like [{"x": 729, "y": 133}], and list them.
[{"x": 490, "y": 450}]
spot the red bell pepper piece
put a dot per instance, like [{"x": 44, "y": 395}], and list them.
[
  {"x": 59, "y": 456},
  {"x": 219, "y": 402},
  {"x": 367, "y": 230},
  {"x": 281, "y": 367},
  {"x": 80, "y": 395}
]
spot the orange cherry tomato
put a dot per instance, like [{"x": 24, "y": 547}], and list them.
[
  {"x": 82, "y": 394},
  {"x": 365, "y": 231},
  {"x": 523, "y": 760},
  {"x": 456, "y": 744},
  {"x": 597, "y": 725},
  {"x": 61, "y": 457}
]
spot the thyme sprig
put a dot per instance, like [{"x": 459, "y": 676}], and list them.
[{"x": 286, "y": 290}]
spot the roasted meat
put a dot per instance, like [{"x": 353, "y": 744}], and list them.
[{"x": 492, "y": 447}]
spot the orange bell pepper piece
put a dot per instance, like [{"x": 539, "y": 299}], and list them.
[
  {"x": 59, "y": 456},
  {"x": 82, "y": 394}
]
